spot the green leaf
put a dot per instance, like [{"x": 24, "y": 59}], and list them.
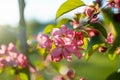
[
  {"x": 23, "y": 76},
  {"x": 24, "y": 73},
  {"x": 95, "y": 40},
  {"x": 114, "y": 26},
  {"x": 107, "y": 15},
  {"x": 93, "y": 45},
  {"x": 68, "y": 6},
  {"x": 100, "y": 28},
  {"x": 48, "y": 28},
  {"x": 91, "y": 51},
  {"x": 56, "y": 66},
  {"x": 43, "y": 52},
  {"x": 7, "y": 74},
  {"x": 112, "y": 56},
  {"x": 63, "y": 21}
]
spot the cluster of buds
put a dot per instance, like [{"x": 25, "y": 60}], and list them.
[
  {"x": 109, "y": 40},
  {"x": 9, "y": 56},
  {"x": 69, "y": 75},
  {"x": 90, "y": 11},
  {"x": 65, "y": 41},
  {"x": 114, "y": 3}
]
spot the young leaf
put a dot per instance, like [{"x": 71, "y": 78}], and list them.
[
  {"x": 68, "y": 6},
  {"x": 112, "y": 56},
  {"x": 48, "y": 28},
  {"x": 24, "y": 73},
  {"x": 61, "y": 22},
  {"x": 91, "y": 51},
  {"x": 93, "y": 45},
  {"x": 43, "y": 52}
]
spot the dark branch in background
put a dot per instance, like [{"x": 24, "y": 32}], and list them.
[{"x": 22, "y": 28}]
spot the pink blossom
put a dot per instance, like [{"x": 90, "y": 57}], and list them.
[
  {"x": 62, "y": 36},
  {"x": 44, "y": 41},
  {"x": 110, "y": 38},
  {"x": 22, "y": 60},
  {"x": 78, "y": 39},
  {"x": 3, "y": 49},
  {"x": 59, "y": 52},
  {"x": 66, "y": 42},
  {"x": 76, "y": 50},
  {"x": 9, "y": 56}
]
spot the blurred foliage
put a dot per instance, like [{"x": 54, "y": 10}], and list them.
[{"x": 7, "y": 35}]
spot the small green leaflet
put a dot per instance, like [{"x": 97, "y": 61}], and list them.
[
  {"x": 48, "y": 28},
  {"x": 67, "y": 6}
]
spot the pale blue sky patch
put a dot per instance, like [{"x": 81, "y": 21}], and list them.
[{"x": 41, "y": 10}]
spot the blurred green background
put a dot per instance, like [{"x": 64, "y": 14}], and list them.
[{"x": 98, "y": 67}]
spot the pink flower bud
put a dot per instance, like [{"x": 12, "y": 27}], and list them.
[
  {"x": 82, "y": 78},
  {"x": 102, "y": 49},
  {"x": 92, "y": 32},
  {"x": 110, "y": 38},
  {"x": 44, "y": 41},
  {"x": 118, "y": 51},
  {"x": 59, "y": 77},
  {"x": 3, "y": 49},
  {"x": 70, "y": 74}
]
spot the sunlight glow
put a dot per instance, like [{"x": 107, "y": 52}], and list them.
[
  {"x": 9, "y": 13},
  {"x": 41, "y": 10}
]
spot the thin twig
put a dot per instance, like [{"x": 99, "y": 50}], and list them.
[{"x": 88, "y": 21}]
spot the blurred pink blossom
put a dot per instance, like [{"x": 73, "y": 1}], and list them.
[
  {"x": 44, "y": 41},
  {"x": 70, "y": 74},
  {"x": 82, "y": 78},
  {"x": 9, "y": 56},
  {"x": 59, "y": 77},
  {"x": 114, "y": 3}
]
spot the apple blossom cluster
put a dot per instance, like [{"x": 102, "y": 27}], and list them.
[
  {"x": 9, "y": 56},
  {"x": 66, "y": 42},
  {"x": 63, "y": 42}
]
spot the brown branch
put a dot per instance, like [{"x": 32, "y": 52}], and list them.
[{"x": 22, "y": 28}]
